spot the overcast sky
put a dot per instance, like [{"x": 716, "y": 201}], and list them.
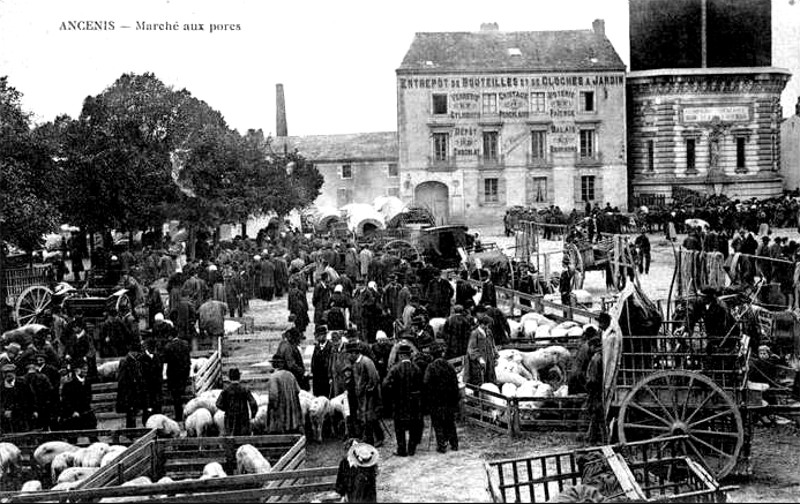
[{"x": 335, "y": 58}]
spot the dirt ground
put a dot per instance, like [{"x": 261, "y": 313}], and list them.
[{"x": 460, "y": 477}]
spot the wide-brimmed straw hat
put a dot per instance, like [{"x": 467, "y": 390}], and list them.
[{"x": 362, "y": 455}]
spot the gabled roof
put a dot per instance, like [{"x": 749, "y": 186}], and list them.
[
  {"x": 489, "y": 50},
  {"x": 349, "y": 147}
]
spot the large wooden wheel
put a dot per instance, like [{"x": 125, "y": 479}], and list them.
[
  {"x": 403, "y": 249},
  {"x": 123, "y": 303},
  {"x": 678, "y": 402},
  {"x": 31, "y": 305}
]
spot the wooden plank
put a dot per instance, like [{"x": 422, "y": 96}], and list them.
[
  {"x": 268, "y": 440},
  {"x": 253, "y": 495}
]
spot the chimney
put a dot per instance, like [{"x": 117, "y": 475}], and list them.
[
  {"x": 281, "y": 129},
  {"x": 599, "y": 27},
  {"x": 489, "y": 27}
]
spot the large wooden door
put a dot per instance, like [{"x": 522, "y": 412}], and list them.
[{"x": 435, "y": 197}]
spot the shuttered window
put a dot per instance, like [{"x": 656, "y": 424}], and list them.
[
  {"x": 536, "y": 190},
  {"x": 492, "y": 190}
]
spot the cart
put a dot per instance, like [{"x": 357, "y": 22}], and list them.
[
  {"x": 35, "y": 302},
  {"x": 647, "y": 471}
]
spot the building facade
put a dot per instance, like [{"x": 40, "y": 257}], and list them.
[
  {"x": 704, "y": 108},
  {"x": 357, "y": 168},
  {"x": 491, "y": 119}
]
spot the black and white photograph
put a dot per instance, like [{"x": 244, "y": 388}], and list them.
[{"x": 359, "y": 251}]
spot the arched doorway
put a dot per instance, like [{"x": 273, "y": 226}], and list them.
[{"x": 435, "y": 197}]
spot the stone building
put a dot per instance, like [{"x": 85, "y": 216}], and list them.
[
  {"x": 707, "y": 117},
  {"x": 790, "y": 150},
  {"x": 492, "y": 119}
]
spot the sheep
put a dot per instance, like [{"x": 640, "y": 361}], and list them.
[
  {"x": 213, "y": 470},
  {"x": 140, "y": 481},
  {"x": 305, "y": 403},
  {"x": 515, "y": 329},
  {"x": 544, "y": 358},
  {"x": 165, "y": 479},
  {"x": 197, "y": 364},
  {"x": 261, "y": 399},
  {"x": 165, "y": 426},
  {"x": 31, "y": 486},
  {"x": 199, "y": 423},
  {"x": 509, "y": 390},
  {"x": 9, "y": 458},
  {"x": 46, "y": 452},
  {"x": 219, "y": 422},
  {"x": 75, "y": 474},
  {"x": 212, "y": 394},
  {"x": 94, "y": 454},
  {"x": 339, "y": 406},
  {"x": 542, "y": 331},
  {"x": 200, "y": 402},
  {"x": 67, "y": 485},
  {"x": 319, "y": 411},
  {"x": 107, "y": 371},
  {"x": 113, "y": 452},
  {"x": 529, "y": 328},
  {"x": 250, "y": 461}
]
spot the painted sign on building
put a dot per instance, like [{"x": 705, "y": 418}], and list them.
[
  {"x": 514, "y": 104},
  {"x": 707, "y": 114},
  {"x": 465, "y": 142},
  {"x": 465, "y": 105}
]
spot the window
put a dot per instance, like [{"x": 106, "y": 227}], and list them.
[
  {"x": 344, "y": 196},
  {"x": 650, "y": 161},
  {"x": 691, "y": 157},
  {"x": 537, "y": 190},
  {"x": 347, "y": 171},
  {"x": 740, "y": 154},
  {"x": 393, "y": 191},
  {"x": 587, "y": 101},
  {"x": 392, "y": 170},
  {"x": 587, "y": 188},
  {"x": 441, "y": 148},
  {"x": 537, "y": 103},
  {"x": 490, "y": 146},
  {"x": 489, "y": 103},
  {"x": 439, "y": 103},
  {"x": 538, "y": 148},
  {"x": 587, "y": 143},
  {"x": 490, "y": 192}
]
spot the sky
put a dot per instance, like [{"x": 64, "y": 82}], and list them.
[{"x": 335, "y": 58}]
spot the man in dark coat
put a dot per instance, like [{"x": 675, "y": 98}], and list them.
[
  {"x": 281, "y": 276},
  {"x": 16, "y": 402},
  {"x": 130, "y": 387},
  {"x": 403, "y": 387},
  {"x": 238, "y": 404},
  {"x": 76, "y": 400},
  {"x": 321, "y": 362},
  {"x": 391, "y": 294},
  {"x": 284, "y": 414},
  {"x": 465, "y": 292},
  {"x": 367, "y": 409},
  {"x": 184, "y": 316},
  {"x": 266, "y": 280},
  {"x": 177, "y": 357},
  {"x": 42, "y": 399},
  {"x": 481, "y": 354},
  {"x": 321, "y": 299},
  {"x": 438, "y": 293},
  {"x": 298, "y": 305},
  {"x": 456, "y": 332},
  {"x": 371, "y": 311},
  {"x": 289, "y": 351},
  {"x": 440, "y": 385},
  {"x": 152, "y": 377},
  {"x": 114, "y": 335}
]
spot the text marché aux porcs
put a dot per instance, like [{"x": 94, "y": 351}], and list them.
[{"x": 143, "y": 26}]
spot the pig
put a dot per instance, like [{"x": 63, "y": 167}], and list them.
[
  {"x": 9, "y": 458},
  {"x": 199, "y": 423},
  {"x": 213, "y": 470},
  {"x": 31, "y": 486},
  {"x": 46, "y": 452},
  {"x": 319, "y": 411},
  {"x": 94, "y": 454},
  {"x": 113, "y": 452},
  {"x": 250, "y": 461},
  {"x": 75, "y": 474},
  {"x": 219, "y": 422},
  {"x": 165, "y": 426}
]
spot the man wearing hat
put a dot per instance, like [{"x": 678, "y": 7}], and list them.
[
  {"x": 284, "y": 414},
  {"x": 43, "y": 399},
  {"x": 439, "y": 292},
  {"x": 239, "y": 406},
  {"x": 391, "y": 297},
  {"x": 371, "y": 310},
  {"x": 16, "y": 406},
  {"x": 368, "y": 396},
  {"x": 321, "y": 363},
  {"x": 441, "y": 394},
  {"x": 289, "y": 351},
  {"x": 481, "y": 353},
  {"x": 338, "y": 313},
  {"x": 456, "y": 332},
  {"x": 403, "y": 389},
  {"x": 298, "y": 304},
  {"x": 76, "y": 399},
  {"x": 357, "y": 477},
  {"x": 130, "y": 386},
  {"x": 177, "y": 358}
]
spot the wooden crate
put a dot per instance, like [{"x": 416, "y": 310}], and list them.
[{"x": 649, "y": 471}]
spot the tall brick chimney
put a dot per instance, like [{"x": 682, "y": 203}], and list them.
[
  {"x": 599, "y": 27},
  {"x": 281, "y": 129}
]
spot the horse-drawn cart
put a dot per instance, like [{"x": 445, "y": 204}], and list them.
[{"x": 34, "y": 302}]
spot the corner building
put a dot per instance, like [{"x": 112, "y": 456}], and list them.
[{"x": 491, "y": 119}]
